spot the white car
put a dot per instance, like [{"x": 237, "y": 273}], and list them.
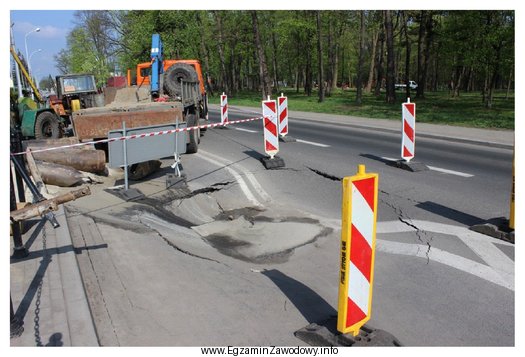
[{"x": 411, "y": 84}]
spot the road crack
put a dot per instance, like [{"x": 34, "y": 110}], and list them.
[
  {"x": 405, "y": 219},
  {"x": 324, "y": 174}
]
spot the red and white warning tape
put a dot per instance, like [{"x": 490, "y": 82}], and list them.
[{"x": 138, "y": 136}]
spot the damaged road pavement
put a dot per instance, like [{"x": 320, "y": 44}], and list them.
[{"x": 187, "y": 263}]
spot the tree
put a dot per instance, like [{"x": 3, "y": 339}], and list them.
[
  {"x": 320, "y": 75},
  {"x": 359, "y": 83},
  {"x": 47, "y": 83},
  {"x": 390, "y": 66},
  {"x": 266, "y": 89},
  {"x": 220, "y": 48},
  {"x": 408, "y": 46}
]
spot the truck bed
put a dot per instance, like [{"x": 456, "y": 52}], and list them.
[{"x": 95, "y": 123}]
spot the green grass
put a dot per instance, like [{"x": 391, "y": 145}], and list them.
[{"x": 437, "y": 107}]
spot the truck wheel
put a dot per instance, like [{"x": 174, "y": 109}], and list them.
[
  {"x": 193, "y": 146},
  {"x": 47, "y": 126},
  {"x": 177, "y": 73}
]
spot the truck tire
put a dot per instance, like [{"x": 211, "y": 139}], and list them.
[
  {"x": 177, "y": 73},
  {"x": 47, "y": 126},
  {"x": 193, "y": 146}
]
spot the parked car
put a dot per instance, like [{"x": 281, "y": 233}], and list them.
[{"x": 411, "y": 84}]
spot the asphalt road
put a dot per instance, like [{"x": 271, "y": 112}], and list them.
[
  {"x": 426, "y": 291},
  {"x": 478, "y": 182},
  {"x": 247, "y": 256}
]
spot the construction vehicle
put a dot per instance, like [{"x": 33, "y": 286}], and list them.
[
  {"x": 34, "y": 119},
  {"x": 176, "y": 93},
  {"x": 47, "y": 120},
  {"x": 73, "y": 92}
]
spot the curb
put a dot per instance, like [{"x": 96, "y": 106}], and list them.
[{"x": 79, "y": 317}]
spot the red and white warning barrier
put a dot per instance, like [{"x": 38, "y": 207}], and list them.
[
  {"x": 224, "y": 109},
  {"x": 271, "y": 125},
  {"x": 138, "y": 136},
  {"x": 358, "y": 237},
  {"x": 283, "y": 115},
  {"x": 408, "y": 141}
]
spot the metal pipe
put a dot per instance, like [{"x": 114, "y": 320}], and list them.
[
  {"x": 19, "y": 249},
  {"x": 125, "y": 149}
]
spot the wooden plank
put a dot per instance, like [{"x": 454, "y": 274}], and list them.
[{"x": 35, "y": 173}]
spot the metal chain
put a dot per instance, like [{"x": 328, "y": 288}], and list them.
[{"x": 44, "y": 262}]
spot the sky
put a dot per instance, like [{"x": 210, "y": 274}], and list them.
[{"x": 54, "y": 26}]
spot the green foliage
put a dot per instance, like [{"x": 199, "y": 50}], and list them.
[
  {"x": 46, "y": 83},
  {"x": 479, "y": 45}
]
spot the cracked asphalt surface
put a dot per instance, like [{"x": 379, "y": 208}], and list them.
[{"x": 248, "y": 256}]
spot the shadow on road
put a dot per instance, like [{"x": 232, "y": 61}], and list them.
[
  {"x": 312, "y": 306},
  {"x": 450, "y": 213}
]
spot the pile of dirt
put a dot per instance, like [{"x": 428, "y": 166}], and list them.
[{"x": 129, "y": 95}]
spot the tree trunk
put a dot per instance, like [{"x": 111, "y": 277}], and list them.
[
  {"x": 320, "y": 59},
  {"x": 509, "y": 83},
  {"x": 379, "y": 63},
  {"x": 494, "y": 78},
  {"x": 275, "y": 73},
  {"x": 204, "y": 55},
  {"x": 390, "y": 67},
  {"x": 429, "y": 34},
  {"x": 460, "y": 73},
  {"x": 407, "y": 58},
  {"x": 263, "y": 69},
  {"x": 308, "y": 74},
  {"x": 359, "y": 83},
  {"x": 421, "y": 34},
  {"x": 375, "y": 41},
  {"x": 220, "y": 47},
  {"x": 330, "y": 74}
]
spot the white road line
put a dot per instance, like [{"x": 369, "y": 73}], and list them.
[
  {"x": 313, "y": 143},
  {"x": 258, "y": 188},
  {"x": 247, "y": 174},
  {"x": 452, "y": 172},
  {"x": 246, "y": 130},
  {"x": 469, "y": 266},
  {"x": 480, "y": 244},
  {"x": 242, "y": 184},
  {"x": 433, "y": 168}
]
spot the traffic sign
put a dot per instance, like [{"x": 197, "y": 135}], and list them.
[
  {"x": 283, "y": 115},
  {"x": 224, "y": 109},
  {"x": 358, "y": 237},
  {"x": 408, "y": 143},
  {"x": 270, "y": 122}
]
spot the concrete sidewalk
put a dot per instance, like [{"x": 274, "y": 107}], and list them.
[
  {"x": 489, "y": 137},
  {"x": 47, "y": 290}
]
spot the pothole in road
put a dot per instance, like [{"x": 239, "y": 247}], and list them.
[
  {"x": 248, "y": 235},
  {"x": 195, "y": 220}
]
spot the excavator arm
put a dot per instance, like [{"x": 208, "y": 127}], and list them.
[{"x": 26, "y": 75}]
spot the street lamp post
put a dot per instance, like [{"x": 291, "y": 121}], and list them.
[
  {"x": 27, "y": 53},
  {"x": 29, "y": 61}
]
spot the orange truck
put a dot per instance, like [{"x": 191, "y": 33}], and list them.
[
  {"x": 181, "y": 95},
  {"x": 175, "y": 70}
]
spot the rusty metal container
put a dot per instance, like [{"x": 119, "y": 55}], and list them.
[{"x": 95, "y": 123}]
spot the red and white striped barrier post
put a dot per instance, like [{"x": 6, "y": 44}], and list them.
[
  {"x": 283, "y": 115},
  {"x": 224, "y": 109},
  {"x": 358, "y": 239},
  {"x": 408, "y": 141},
  {"x": 271, "y": 140},
  {"x": 271, "y": 135}
]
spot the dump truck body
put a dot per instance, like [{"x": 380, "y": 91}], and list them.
[{"x": 95, "y": 123}]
